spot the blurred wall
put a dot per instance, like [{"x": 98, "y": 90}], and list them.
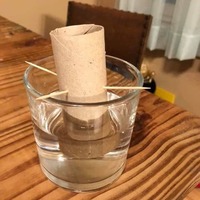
[{"x": 40, "y": 16}]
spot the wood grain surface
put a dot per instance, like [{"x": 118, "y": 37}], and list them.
[
  {"x": 163, "y": 159},
  {"x": 194, "y": 195}
]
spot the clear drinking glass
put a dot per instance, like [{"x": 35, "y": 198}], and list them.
[{"x": 83, "y": 154}]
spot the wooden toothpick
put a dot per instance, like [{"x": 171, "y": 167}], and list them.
[
  {"x": 126, "y": 87},
  {"x": 53, "y": 94},
  {"x": 42, "y": 68},
  {"x": 105, "y": 87}
]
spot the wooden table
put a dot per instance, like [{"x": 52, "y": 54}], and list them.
[{"x": 164, "y": 156}]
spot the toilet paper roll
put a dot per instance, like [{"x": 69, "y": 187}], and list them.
[{"x": 79, "y": 54}]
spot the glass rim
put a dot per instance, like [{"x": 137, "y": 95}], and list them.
[{"x": 133, "y": 93}]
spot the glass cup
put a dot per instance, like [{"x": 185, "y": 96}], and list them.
[{"x": 83, "y": 146}]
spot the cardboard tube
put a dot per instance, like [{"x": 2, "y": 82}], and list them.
[{"x": 79, "y": 54}]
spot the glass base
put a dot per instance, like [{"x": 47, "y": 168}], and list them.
[{"x": 77, "y": 187}]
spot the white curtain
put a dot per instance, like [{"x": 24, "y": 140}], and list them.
[{"x": 175, "y": 26}]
